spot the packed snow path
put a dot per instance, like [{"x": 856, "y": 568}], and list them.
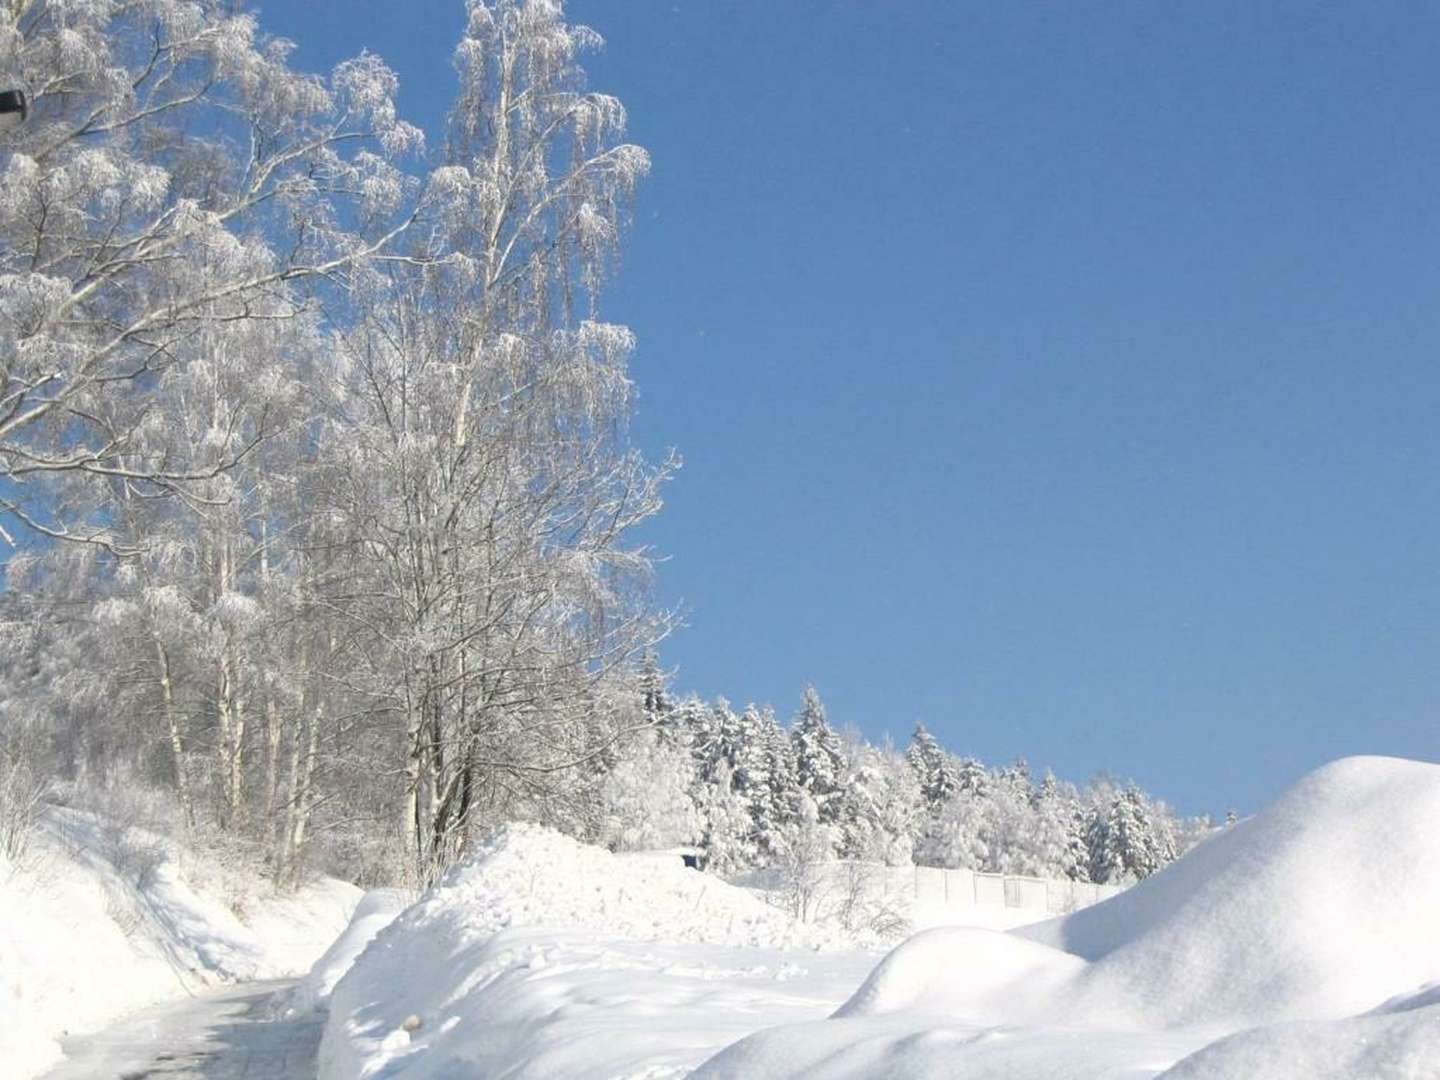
[{"x": 239, "y": 1033}]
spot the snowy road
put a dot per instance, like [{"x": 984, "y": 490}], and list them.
[{"x": 231, "y": 1034}]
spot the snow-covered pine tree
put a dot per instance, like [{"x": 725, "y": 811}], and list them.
[
  {"x": 1077, "y": 843},
  {"x": 1058, "y": 841},
  {"x": 1106, "y": 861},
  {"x": 1016, "y": 777},
  {"x": 654, "y": 688},
  {"x": 972, "y": 776},
  {"x": 752, "y": 767},
  {"x": 934, "y": 769},
  {"x": 819, "y": 758},
  {"x": 783, "y": 786},
  {"x": 703, "y": 723},
  {"x": 1129, "y": 838}
]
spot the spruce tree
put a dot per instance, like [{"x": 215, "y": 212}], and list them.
[
  {"x": 819, "y": 758},
  {"x": 782, "y": 782},
  {"x": 934, "y": 769}
]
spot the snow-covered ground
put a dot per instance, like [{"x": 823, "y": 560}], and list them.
[
  {"x": 1299, "y": 943},
  {"x": 97, "y": 921}
]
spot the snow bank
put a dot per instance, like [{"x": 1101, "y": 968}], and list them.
[
  {"x": 1317, "y": 909},
  {"x": 377, "y": 909},
  {"x": 541, "y": 956},
  {"x": 89, "y": 931}
]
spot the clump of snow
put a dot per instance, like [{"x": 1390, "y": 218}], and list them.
[{"x": 91, "y": 929}]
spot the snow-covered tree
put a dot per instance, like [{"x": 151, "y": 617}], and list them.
[
  {"x": 885, "y": 794},
  {"x": 728, "y": 831},
  {"x": 972, "y": 776},
  {"x": 776, "y": 812},
  {"x": 1128, "y": 839},
  {"x": 485, "y": 488},
  {"x": 955, "y": 836},
  {"x": 645, "y": 798},
  {"x": 175, "y": 182},
  {"x": 1059, "y": 833},
  {"x": 819, "y": 758},
  {"x": 806, "y": 854},
  {"x": 934, "y": 769}
]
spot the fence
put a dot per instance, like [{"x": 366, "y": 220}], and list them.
[
  {"x": 968, "y": 888},
  {"x": 931, "y": 894}
]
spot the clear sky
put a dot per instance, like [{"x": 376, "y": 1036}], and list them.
[{"x": 1061, "y": 375}]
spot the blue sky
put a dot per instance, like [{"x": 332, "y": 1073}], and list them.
[{"x": 1061, "y": 375}]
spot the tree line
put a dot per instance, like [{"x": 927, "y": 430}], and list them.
[{"x": 753, "y": 793}]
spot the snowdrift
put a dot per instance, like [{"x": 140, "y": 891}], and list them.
[
  {"x": 964, "y": 971},
  {"x": 1321, "y": 907},
  {"x": 85, "y": 937},
  {"x": 543, "y": 957}
]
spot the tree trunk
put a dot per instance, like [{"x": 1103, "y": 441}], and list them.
[{"x": 172, "y": 724}]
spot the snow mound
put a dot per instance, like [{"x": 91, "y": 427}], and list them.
[
  {"x": 527, "y": 875},
  {"x": 1320, "y": 906},
  {"x": 963, "y": 971}
]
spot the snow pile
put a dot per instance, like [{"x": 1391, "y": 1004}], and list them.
[
  {"x": 1319, "y": 908},
  {"x": 541, "y": 956},
  {"x": 527, "y": 875},
  {"x": 91, "y": 928}
]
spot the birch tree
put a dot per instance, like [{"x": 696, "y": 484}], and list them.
[
  {"x": 176, "y": 178},
  {"x": 486, "y": 485}
]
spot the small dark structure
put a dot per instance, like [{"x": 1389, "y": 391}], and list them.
[{"x": 13, "y": 109}]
